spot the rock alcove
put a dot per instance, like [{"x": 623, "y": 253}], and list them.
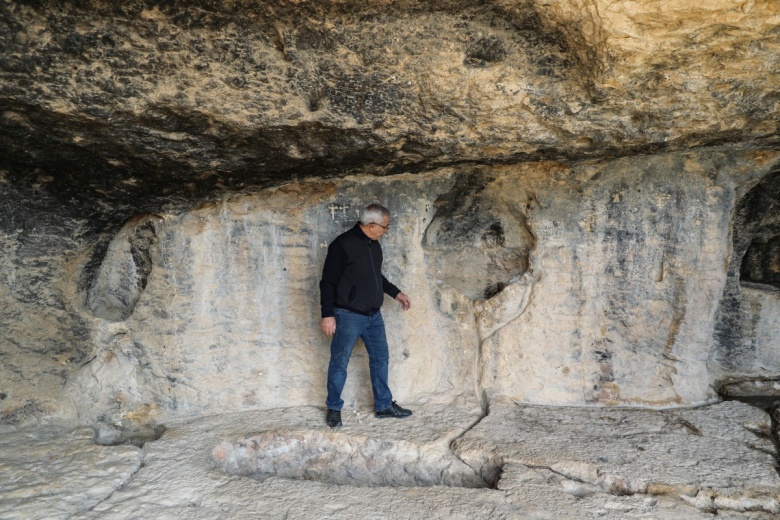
[{"x": 584, "y": 199}]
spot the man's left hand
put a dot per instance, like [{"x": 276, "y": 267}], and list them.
[{"x": 404, "y": 300}]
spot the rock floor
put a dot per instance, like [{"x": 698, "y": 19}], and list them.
[{"x": 445, "y": 462}]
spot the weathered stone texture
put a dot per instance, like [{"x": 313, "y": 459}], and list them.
[
  {"x": 56, "y": 471},
  {"x": 624, "y": 271},
  {"x": 230, "y": 315},
  {"x": 628, "y": 452},
  {"x": 43, "y": 338},
  {"x": 121, "y": 276},
  {"x": 555, "y": 462},
  {"x": 584, "y": 197},
  {"x": 215, "y": 95},
  {"x": 747, "y": 325},
  {"x": 138, "y": 110}
]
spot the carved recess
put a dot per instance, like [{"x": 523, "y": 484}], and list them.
[
  {"x": 477, "y": 247},
  {"x": 117, "y": 277}
]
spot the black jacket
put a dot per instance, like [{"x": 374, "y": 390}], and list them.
[{"x": 352, "y": 275}]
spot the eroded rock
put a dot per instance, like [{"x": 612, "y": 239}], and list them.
[
  {"x": 711, "y": 457},
  {"x": 344, "y": 459},
  {"x": 123, "y": 269},
  {"x": 55, "y": 471},
  {"x": 474, "y": 227},
  {"x": 582, "y": 183},
  {"x": 104, "y": 96},
  {"x": 747, "y": 325},
  {"x": 555, "y": 462},
  {"x": 614, "y": 312}
]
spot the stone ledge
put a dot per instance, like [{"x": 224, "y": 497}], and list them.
[
  {"x": 557, "y": 463},
  {"x": 714, "y": 457}
]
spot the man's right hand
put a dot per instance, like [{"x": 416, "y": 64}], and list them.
[{"x": 329, "y": 326}]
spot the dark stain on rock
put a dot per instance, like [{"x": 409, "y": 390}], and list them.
[
  {"x": 142, "y": 243},
  {"x": 493, "y": 289},
  {"x": 761, "y": 263},
  {"x": 470, "y": 223},
  {"x": 484, "y": 51},
  {"x": 494, "y": 235},
  {"x": 22, "y": 414}
]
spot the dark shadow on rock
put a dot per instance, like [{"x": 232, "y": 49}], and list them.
[
  {"x": 117, "y": 280},
  {"x": 107, "y": 433},
  {"x": 472, "y": 228}
]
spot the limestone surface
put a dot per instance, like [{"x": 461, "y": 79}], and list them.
[
  {"x": 57, "y": 471},
  {"x": 613, "y": 302},
  {"x": 717, "y": 457},
  {"x": 554, "y": 462},
  {"x": 575, "y": 186},
  {"x": 584, "y": 196},
  {"x": 620, "y": 295}
]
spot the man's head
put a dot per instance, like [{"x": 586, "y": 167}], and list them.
[{"x": 375, "y": 221}]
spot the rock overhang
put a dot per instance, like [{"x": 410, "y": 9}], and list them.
[{"x": 148, "y": 101}]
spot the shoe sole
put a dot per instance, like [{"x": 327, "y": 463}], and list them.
[{"x": 393, "y": 416}]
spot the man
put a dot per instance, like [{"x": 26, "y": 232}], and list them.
[{"x": 351, "y": 292}]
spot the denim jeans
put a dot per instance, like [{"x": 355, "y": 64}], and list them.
[{"x": 349, "y": 327}]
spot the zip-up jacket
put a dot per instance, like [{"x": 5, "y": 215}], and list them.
[{"x": 352, "y": 275}]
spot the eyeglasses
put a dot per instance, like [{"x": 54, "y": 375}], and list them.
[{"x": 386, "y": 228}]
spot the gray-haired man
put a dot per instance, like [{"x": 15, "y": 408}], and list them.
[{"x": 351, "y": 293}]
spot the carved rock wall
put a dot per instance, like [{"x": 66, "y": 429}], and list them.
[{"x": 623, "y": 277}]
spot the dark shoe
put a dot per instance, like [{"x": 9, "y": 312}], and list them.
[
  {"x": 333, "y": 418},
  {"x": 394, "y": 411}
]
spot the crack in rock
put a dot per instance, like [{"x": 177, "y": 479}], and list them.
[
  {"x": 709, "y": 457},
  {"x": 120, "y": 487},
  {"x": 54, "y": 471}
]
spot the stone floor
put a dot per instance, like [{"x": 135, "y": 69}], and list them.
[{"x": 445, "y": 462}]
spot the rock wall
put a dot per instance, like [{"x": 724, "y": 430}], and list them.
[
  {"x": 536, "y": 274},
  {"x": 594, "y": 284},
  {"x": 230, "y": 314},
  {"x": 43, "y": 339}
]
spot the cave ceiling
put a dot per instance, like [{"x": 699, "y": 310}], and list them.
[{"x": 136, "y": 104}]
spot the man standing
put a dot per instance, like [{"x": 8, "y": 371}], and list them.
[{"x": 351, "y": 293}]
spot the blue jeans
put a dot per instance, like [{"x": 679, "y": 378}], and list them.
[{"x": 349, "y": 327}]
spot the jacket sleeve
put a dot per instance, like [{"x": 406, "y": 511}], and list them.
[
  {"x": 389, "y": 288},
  {"x": 335, "y": 261}
]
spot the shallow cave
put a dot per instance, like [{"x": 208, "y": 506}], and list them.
[{"x": 584, "y": 213}]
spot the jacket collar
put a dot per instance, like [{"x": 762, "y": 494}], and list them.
[{"x": 359, "y": 233}]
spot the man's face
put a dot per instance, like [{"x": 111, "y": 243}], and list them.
[{"x": 377, "y": 231}]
